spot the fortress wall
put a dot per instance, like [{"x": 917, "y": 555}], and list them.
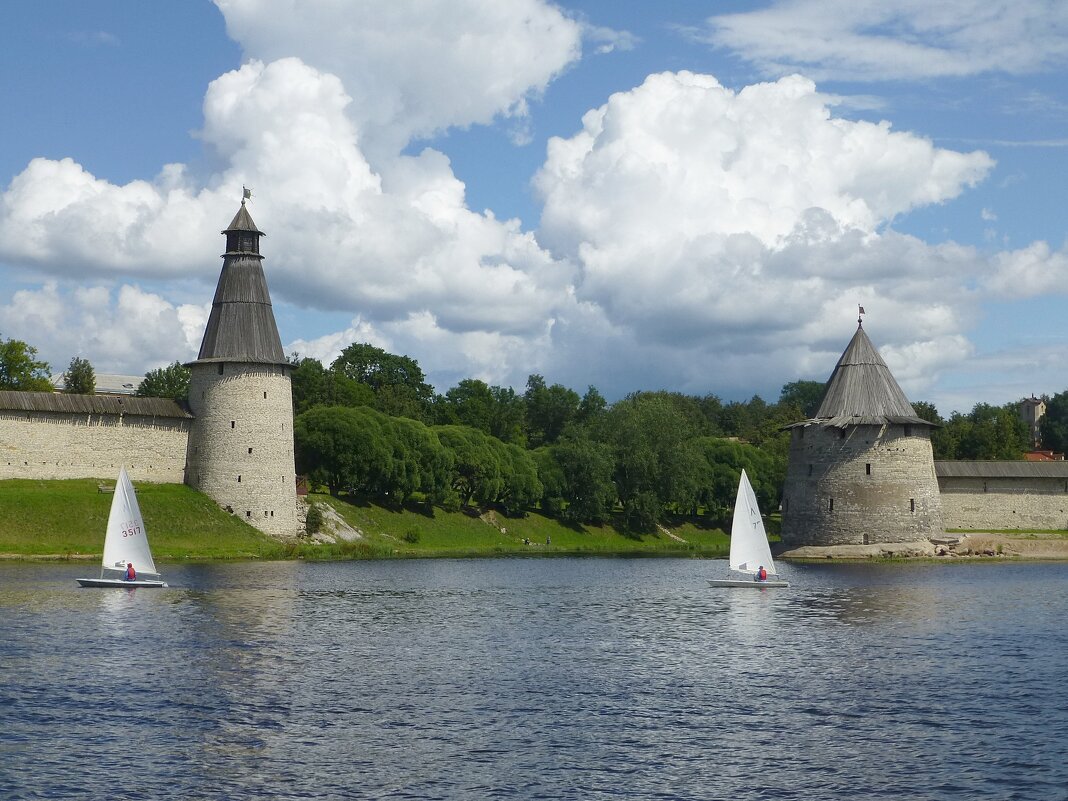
[
  {"x": 51, "y": 445},
  {"x": 240, "y": 450},
  {"x": 860, "y": 485},
  {"x": 985, "y": 504}
]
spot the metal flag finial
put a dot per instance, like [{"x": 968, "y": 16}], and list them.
[
  {"x": 246, "y": 193},
  {"x": 860, "y": 316}
]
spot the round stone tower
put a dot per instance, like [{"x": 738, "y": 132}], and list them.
[
  {"x": 240, "y": 449},
  {"x": 861, "y": 471}
]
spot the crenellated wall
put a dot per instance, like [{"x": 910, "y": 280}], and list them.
[
  {"x": 240, "y": 449},
  {"x": 57, "y": 445},
  {"x": 860, "y": 484}
]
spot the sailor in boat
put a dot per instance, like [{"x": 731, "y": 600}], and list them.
[
  {"x": 761, "y": 574},
  {"x": 131, "y": 574}
]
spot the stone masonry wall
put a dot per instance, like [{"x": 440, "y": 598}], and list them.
[
  {"x": 241, "y": 444},
  {"x": 860, "y": 485},
  {"x": 50, "y": 445},
  {"x": 993, "y": 504}
]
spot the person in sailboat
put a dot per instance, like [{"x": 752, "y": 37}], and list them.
[
  {"x": 762, "y": 573},
  {"x": 131, "y": 574}
]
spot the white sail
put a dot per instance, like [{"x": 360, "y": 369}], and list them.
[
  {"x": 126, "y": 540},
  {"x": 749, "y": 541}
]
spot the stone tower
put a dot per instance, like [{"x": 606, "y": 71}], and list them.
[
  {"x": 240, "y": 449},
  {"x": 861, "y": 471}
]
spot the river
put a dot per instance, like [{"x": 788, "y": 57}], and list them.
[{"x": 527, "y": 678}]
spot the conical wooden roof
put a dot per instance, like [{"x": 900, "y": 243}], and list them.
[
  {"x": 241, "y": 326},
  {"x": 862, "y": 391}
]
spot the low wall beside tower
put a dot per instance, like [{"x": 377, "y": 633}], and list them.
[{"x": 48, "y": 435}]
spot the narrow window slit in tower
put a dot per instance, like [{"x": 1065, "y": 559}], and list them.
[
  {"x": 912, "y": 504},
  {"x": 830, "y": 505},
  {"x": 867, "y": 469}
]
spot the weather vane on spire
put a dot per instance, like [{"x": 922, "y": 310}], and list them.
[
  {"x": 860, "y": 316},
  {"x": 246, "y": 194}
]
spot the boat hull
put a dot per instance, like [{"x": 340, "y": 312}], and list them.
[
  {"x": 102, "y": 582},
  {"x": 746, "y": 583}
]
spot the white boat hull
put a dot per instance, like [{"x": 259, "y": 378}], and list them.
[
  {"x": 747, "y": 583},
  {"x": 102, "y": 582}
]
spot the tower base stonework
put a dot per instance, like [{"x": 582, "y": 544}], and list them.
[
  {"x": 861, "y": 472},
  {"x": 860, "y": 485}
]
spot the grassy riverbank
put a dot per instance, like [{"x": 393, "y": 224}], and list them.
[{"x": 66, "y": 520}]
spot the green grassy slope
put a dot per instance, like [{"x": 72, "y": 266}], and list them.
[
  {"x": 410, "y": 532},
  {"x": 66, "y": 519}
]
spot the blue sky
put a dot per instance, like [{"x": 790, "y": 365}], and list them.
[{"x": 673, "y": 195}]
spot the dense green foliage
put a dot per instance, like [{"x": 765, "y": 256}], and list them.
[
  {"x": 20, "y": 368},
  {"x": 171, "y": 381},
  {"x": 986, "y": 432},
  {"x": 1054, "y": 425},
  {"x": 370, "y": 425},
  {"x": 80, "y": 378}
]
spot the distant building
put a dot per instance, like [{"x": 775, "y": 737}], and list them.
[
  {"x": 1032, "y": 410},
  {"x": 861, "y": 471},
  {"x": 106, "y": 383}
]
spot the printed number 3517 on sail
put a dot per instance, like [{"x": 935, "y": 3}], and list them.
[{"x": 130, "y": 529}]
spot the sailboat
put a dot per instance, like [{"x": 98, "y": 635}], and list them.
[
  {"x": 749, "y": 543},
  {"x": 125, "y": 543}
]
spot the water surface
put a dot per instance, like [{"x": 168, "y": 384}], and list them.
[{"x": 536, "y": 678}]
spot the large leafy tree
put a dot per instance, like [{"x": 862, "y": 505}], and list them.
[
  {"x": 171, "y": 381},
  {"x": 649, "y": 441},
  {"x": 20, "y": 369},
  {"x": 1054, "y": 425},
  {"x": 497, "y": 411},
  {"x": 805, "y": 395},
  {"x": 577, "y": 476},
  {"x": 80, "y": 377},
  {"x": 342, "y": 447},
  {"x": 398, "y": 384},
  {"x": 549, "y": 410},
  {"x": 314, "y": 385},
  {"x": 476, "y": 464},
  {"x": 986, "y": 432}
]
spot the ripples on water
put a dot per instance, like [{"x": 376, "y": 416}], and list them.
[{"x": 528, "y": 678}]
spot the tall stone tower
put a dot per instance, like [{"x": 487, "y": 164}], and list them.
[
  {"x": 240, "y": 449},
  {"x": 861, "y": 471}
]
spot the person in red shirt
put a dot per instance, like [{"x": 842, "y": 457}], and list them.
[
  {"x": 131, "y": 574},
  {"x": 762, "y": 574}
]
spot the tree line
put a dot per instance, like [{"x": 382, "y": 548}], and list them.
[{"x": 369, "y": 423}]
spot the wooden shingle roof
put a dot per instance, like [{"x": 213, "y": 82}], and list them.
[
  {"x": 862, "y": 391},
  {"x": 1001, "y": 469},
  {"x": 241, "y": 326},
  {"x": 90, "y": 404}
]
